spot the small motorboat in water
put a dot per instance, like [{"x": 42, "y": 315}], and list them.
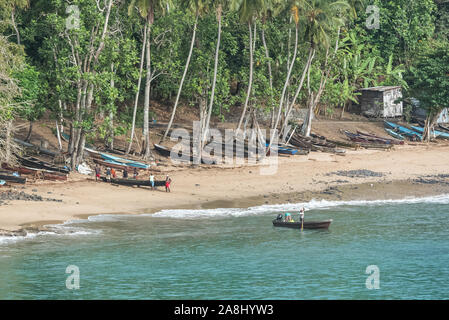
[{"x": 304, "y": 225}]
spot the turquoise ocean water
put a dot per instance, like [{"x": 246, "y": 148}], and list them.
[{"x": 238, "y": 254}]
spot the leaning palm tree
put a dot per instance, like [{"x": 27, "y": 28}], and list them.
[
  {"x": 295, "y": 14},
  {"x": 147, "y": 9},
  {"x": 248, "y": 11},
  {"x": 219, "y": 6},
  {"x": 197, "y": 7},
  {"x": 322, "y": 17}
]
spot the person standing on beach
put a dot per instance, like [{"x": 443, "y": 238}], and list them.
[
  {"x": 152, "y": 181},
  {"x": 167, "y": 183},
  {"x": 97, "y": 172},
  {"x": 125, "y": 173},
  {"x": 108, "y": 174},
  {"x": 136, "y": 173},
  {"x": 113, "y": 173}
]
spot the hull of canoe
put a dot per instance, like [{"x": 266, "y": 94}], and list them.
[
  {"x": 307, "y": 224},
  {"x": 127, "y": 162},
  {"x": 38, "y": 164},
  {"x": 394, "y": 134},
  {"x": 11, "y": 178},
  {"x": 438, "y": 134},
  {"x": 164, "y": 151},
  {"x": 134, "y": 182},
  {"x": 403, "y": 130},
  {"x": 114, "y": 165}
]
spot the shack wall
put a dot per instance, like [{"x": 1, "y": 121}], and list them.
[
  {"x": 381, "y": 103},
  {"x": 392, "y": 109}
]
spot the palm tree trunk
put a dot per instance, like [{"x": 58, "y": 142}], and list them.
[
  {"x": 30, "y": 130},
  {"x": 250, "y": 81},
  {"x": 183, "y": 78},
  {"x": 111, "y": 112},
  {"x": 139, "y": 81},
  {"x": 217, "y": 50},
  {"x": 146, "y": 109},
  {"x": 287, "y": 79},
  {"x": 58, "y": 135},
  {"x": 284, "y": 89},
  {"x": 301, "y": 82},
  {"x": 8, "y": 153},
  {"x": 270, "y": 76}
]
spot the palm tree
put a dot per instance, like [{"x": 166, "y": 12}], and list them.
[
  {"x": 322, "y": 17},
  {"x": 198, "y": 7},
  {"x": 220, "y": 4},
  {"x": 147, "y": 10},
  {"x": 295, "y": 14},
  {"x": 248, "y": 11},
  {"x": 272, "y": 9}
]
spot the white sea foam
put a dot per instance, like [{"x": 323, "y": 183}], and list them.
[
  {"x": 313, "y": 204},
  {"x": 53, "y": 230}
]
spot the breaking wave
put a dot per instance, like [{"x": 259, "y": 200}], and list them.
[{"x": 313, "y": 204}]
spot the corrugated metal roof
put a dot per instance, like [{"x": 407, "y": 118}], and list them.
[{"x": 381, "y": 88}]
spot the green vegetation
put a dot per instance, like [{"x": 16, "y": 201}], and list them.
[{"x": 82, "y": 62}]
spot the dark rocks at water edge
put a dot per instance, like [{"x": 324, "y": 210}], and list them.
[
  {"x": 14, "y": 195},
  {"x": 362, "y": 173},
  {"x": 441, "y": 179}
]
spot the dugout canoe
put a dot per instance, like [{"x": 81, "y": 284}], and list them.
[
  {"x": 12, "y": 178},
  {"x": 394, "y": 134},
  {"x": 36, "y": 163},
  {"x": 135, "y": 182},
  {"x": 115, "y": 165},
  {"x": 307, "y": 224},
  {"x": 415, "y": 136}
]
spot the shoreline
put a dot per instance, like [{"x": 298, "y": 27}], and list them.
[
  {"x": 299, "y": 179},
  {"x": 350, "y": 192}
]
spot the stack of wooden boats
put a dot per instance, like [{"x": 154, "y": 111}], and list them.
[
  {"x": 31, "y": 148},
  {"x": 36, "y": 168},
  {"x": 415, "y": 133},
  {"x": 239, "y": 149},
  {"x": 7, "y": 177},
  {"x": 434, "y": 133},
  {"x": 116, "y": 162},
  {"x": 315, "y": 143},
  {"x": 371, "y": 141},
  {"x": 166, "y": 152}
]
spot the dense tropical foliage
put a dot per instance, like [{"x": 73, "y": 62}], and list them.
[{"x": 96, "y": 67}]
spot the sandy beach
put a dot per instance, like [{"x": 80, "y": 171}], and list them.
[{"x": 399, "y": 173}]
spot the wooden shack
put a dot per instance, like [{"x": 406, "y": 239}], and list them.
[{"x": 381, "y": 102}]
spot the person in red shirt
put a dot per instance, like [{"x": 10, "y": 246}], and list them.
[
  {"x": 167, "y": 184},
  {"x": 97, "y": 172}
]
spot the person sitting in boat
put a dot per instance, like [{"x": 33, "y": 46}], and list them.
[
  {"x": 279, "y": 217},
  {"x": 288, "y": 217}
]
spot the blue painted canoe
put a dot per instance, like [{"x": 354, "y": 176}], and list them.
[
  {"x": 438, "y": 134},
  {"x": 285, "y": 150},
  {"x": 404, "y": 131},
  {"x": 123, "y": 161},
  {"x": 394, "y": 134}
]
